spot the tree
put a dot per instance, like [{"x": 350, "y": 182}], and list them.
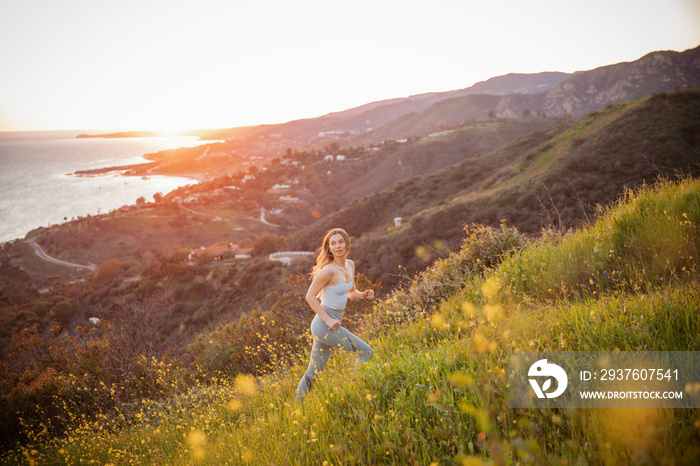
[
  {"x": 63, "y": 312},
  {"x": 526, "y": 113},
  {"x": 108, "y": 270},
  {"x": 492, "y": 114},
  {"x": 268, "y": 243}
]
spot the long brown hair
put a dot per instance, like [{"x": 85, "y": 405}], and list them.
[{"x": 325, "y": 256}]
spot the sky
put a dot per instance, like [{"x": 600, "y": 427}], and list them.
[{"x": 174, "y": 65}]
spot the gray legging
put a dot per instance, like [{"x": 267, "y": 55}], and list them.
[{"x": 324, "y": 340}]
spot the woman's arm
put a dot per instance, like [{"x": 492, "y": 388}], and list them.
[
  {"x": 354, "y": 293},
  {"x": 319, "y": 282}
]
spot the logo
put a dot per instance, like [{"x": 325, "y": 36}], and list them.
[{"x": 543, "y": 369}]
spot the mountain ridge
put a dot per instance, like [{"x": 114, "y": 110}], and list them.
[
  {"x": 513, "y": 95},
  {"x": 575, "y": 94}
]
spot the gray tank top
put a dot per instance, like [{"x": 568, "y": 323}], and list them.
[{"x": 336, "y": 296}]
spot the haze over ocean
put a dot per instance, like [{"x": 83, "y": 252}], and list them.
[{"x": 35, "y": 190}]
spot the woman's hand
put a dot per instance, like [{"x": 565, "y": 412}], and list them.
[
  {"x": 368, "y": 294},
  {"x": 332, "y": 323}
]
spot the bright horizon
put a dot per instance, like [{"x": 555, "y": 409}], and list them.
[{"x": 168, "y": 66}]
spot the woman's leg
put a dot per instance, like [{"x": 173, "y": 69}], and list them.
[
  {"x": 319, "y": 357},
  {"x": 343, "y": 339},
  {"x": 324, "y": 340},
  {"x": 357, "y": 345},
  {"x": 320, "y": 352}
]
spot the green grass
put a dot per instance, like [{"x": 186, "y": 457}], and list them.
[
  {"x": 562, "y": 145},
  {"x": 648, "y": 239},
  {"x": 436, "y": 390}
]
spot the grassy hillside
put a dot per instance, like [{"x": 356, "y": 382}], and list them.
[
  {"x": 395, "y": 162},
  {"x": 555, "y": 178},
  {"x": 436, "y": 390}
]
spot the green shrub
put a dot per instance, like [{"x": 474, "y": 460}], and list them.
[{"x": 484, "y": 247}]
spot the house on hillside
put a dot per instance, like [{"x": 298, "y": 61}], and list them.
[
  {"x": 285, "y": 257},
  {"x": 290, "y": 162},
  {"x": 216, "y": 251},
  {"x": 324, "y": 134},
  {"x": 219, "y": 252},
  {"x": 242, "y": 253}
]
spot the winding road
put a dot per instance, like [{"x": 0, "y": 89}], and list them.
[
  {"x": 262, "y": 218},
  {"x": 40, "y": 252}
]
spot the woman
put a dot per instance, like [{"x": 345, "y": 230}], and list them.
[{"x": 332, "y": 279}]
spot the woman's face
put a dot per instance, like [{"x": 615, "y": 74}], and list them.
[{"x": 337, "y": 245}]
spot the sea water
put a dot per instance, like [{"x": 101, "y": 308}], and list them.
[{"x": 36, "y": 188}]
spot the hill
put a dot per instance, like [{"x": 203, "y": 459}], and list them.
[
  {"x": 169, "y": 323},
  {"x": 551, "y": 178},
  {"x": 549, "y": 93},
  {"x": 437, "y": 387},
  {"x": 368, "y": 117},
  {"x": 393, "y": 161},
  {"x": 530, "y": 172},
  {"x": 140, "y": 251},
  {"x": 580, "y": 94},
  {"x": 514, "y": 95}
]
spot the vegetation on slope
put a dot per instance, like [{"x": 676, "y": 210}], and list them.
[
  {"x": 556, "y": 178},
  {"x": 141, "y": 250},
  {"x": 435, "y": 391}
]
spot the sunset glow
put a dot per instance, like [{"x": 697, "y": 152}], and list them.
[{"x": 177, "y": 65}]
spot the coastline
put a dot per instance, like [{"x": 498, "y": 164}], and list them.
[
  {"x": 144, "y": 170},
  {"x": 51, "y": 178},
  {"x": 126, "y": 170}
]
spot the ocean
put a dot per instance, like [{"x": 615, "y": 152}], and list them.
[{"x": 36, "y": 189}]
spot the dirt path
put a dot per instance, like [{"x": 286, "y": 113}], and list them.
[{"x": 193, "y": 212}]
